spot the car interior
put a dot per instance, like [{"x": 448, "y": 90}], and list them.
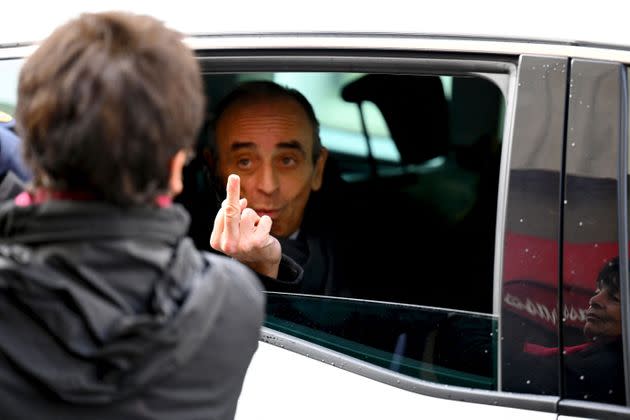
[
  {"x": 425, "y": 180},
  {"x": 414, "y": 157}
]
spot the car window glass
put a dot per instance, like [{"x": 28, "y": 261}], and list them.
[
  {"x": 439, "y": 345},
  {"x": 530, "y": 317},
  {"x": 593, "y": 363}
]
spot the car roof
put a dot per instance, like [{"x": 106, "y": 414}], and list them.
[{"x": 601, "y": 23}]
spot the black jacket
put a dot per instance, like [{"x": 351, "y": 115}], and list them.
[{"x": 113, "y": 314}]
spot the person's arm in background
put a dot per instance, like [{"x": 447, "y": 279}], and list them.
[{"x": 13, "y": 173}]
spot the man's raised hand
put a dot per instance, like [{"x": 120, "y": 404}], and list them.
[{"x": 240, "y": 233}]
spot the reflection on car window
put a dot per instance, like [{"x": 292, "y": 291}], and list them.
[{"x": 443, "y": 346}]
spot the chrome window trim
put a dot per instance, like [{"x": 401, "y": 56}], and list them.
[
  {"x": 390, "y": 42},
  {"x": 408, "y": 42},
  {"x": 418, "y": 386}
]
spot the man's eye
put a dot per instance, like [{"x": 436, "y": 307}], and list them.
[
  {"x": 288, "y": 161},
  {"x": 244, "y": 163}
]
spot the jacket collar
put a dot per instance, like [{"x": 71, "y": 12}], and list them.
[{"x": 65, "y": 220}]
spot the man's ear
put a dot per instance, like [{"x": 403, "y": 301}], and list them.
[
  {"x": 318, "y": 173},
  {"x": 175, "y": 180}
]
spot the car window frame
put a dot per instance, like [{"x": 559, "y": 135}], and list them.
[{"x": 402, "y": 62}]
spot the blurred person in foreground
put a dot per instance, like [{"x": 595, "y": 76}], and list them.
[{"x": 107, "y": 309}]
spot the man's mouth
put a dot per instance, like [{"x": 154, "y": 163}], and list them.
[{"x": 273, "y": 213}]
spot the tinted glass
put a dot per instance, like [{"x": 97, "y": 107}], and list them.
[
  {"x": 529, "y": 312},
  {"x": 439, "y": 345},
  {"x": 592, "y": 352}
]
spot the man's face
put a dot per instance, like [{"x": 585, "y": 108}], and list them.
[
  {"x": 603, "y": 318},
  {"x": 269, "y": 144}
]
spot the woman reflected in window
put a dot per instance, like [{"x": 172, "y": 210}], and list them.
[{"x": 594, "y": 370}]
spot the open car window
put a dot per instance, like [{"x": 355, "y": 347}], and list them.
[{"x": 426, "y": 146}]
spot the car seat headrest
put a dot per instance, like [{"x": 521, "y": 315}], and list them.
[{"x": 414, "y": 108}]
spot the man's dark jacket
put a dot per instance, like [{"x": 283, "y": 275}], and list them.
[{"x": 113, "y": 314}]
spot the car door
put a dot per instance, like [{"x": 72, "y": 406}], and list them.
[
  {"x": 548, "y": 192},
  {"x": 442, "y": 354}
]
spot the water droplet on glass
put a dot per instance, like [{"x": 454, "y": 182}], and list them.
[
  {"x": 580, "y": 224},
  {"x": 521, "y": 220},
  {"x": 596, "y": 245},
  {"x": 609, "y": 391},
  {"x": 572, "y": 144},
  {"x": 582, "y": 378},
  {"x": 526, "y": 250},
  {"x": 586, "y": 396},
  {"x": 588, "y": 106},
  {"x": 566, "y": 201},
  {"x": 528, "y": 382},
  {"x": 580, "y": 102},
  {"x": 491, "y": 334},
  {"x": 486, "y": 351}
]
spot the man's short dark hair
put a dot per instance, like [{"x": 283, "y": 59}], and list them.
[
  {"x": 105, "y": 103},
  {"x": 265, "y": 89}
]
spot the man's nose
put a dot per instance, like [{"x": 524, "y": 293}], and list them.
[{"x": 268, "y": 179}]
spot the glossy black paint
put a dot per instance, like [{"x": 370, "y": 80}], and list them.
[{"x": 531, "y": 246}]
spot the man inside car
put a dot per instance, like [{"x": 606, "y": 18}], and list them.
[{"x": 269, "y": 136}]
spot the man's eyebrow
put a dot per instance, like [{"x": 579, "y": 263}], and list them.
[
  {"x": 238, "y": 145},
  {"x": 293, "y": 145}
]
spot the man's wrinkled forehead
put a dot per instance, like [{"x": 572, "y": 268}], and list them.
[{"x": 244, "y": 121}]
